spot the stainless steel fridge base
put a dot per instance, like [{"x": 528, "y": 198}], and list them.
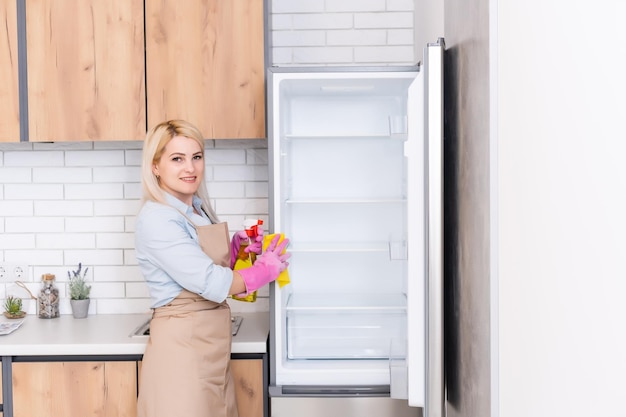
[{"x": 341, "y": 407}]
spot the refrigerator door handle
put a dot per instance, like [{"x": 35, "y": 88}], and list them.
[{"x": 435, "y": 401}]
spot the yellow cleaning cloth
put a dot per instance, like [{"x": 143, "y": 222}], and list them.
[{"x": 283, "y": 278}]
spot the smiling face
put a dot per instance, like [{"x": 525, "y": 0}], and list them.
[{"x": 180, "y": 168}]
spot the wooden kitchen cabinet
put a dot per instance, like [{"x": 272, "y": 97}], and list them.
[
  {"x": 52, "y": 389},
  {"x": 9, "y": 87},
  {"x": 249, "y": 386},
  {"x": 109, "y": 70},
  {"x": 85, "y": 66},
  {"x": 205, "y": 64}
]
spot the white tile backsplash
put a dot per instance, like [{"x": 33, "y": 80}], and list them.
[
  {"x": 33, "y": 191},
  {"x": 118, "y": 207},
  {"x": 93, "y": 191},
  {"x": 34, "y": 224},
  {"x": 63, "y": 208},
  {"x": 27, "y": 158},
  {"x": 356, "y": 6},
  {"x": 97, "y": 256},
  {"x": 375, "y": 55},
  {"x": 127, "y": 273},
  {"x": 34, "y": 256},
  {"x": 66, "y": 240},
  {"x": 228, "y": 189},
  {"x": 108, "y": 290},
  {"x": 115, "y": 240},
  {"x": 383, "y": 20},
  {"x": 356, "y": 37},
  {"x": 225, "y": 157},
  {"x": 82, "y": 209},
  {"x": 95, "y": 224},
  {"x": 15, "y": 175},
  {"x": 95, "y": 158},
  {"x": 51, "y": 175},
  {"x": 16, "y": 240},
  {"x": 342, "y": 32},
  {"x": 69, "y": 202},
  {"x": 302, "y": 6},
  {"x": 10, "y": 208},
  {"x": 122, "y": 174}
]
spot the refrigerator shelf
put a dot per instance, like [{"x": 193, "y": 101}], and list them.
[
  {"x": 348, "y": 301},
  {"x": 390, "y": 135},
  {"x": 346, "y": 201},
  {"x": 344, "y": 326},
  {"x": 345, "y": 247}
]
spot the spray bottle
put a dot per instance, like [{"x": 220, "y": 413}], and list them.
[
  {"x": 251, "y": 228},
  {"x": 245, "y": 260}
]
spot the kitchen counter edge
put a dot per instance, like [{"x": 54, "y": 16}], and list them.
[{"x": 110, "y": 334}]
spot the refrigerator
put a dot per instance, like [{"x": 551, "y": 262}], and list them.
[{"x": 355, "y": 157}]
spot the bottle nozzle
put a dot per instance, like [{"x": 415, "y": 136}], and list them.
[{"x": 252, "y": 227}]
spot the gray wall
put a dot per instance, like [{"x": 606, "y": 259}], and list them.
[{"x": 467, "y": 214}]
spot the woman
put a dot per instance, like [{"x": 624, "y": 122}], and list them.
[{"x": 185, "y": 368}]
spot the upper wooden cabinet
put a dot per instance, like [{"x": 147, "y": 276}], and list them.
[
  {"x": 205, "y": 64},
  {"x": 102, "y": 70},
  {"x": 9, "y": 86},
  {"x": 85, "y": 65}
]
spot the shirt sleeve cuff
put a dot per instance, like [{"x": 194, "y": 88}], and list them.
[{"x": 218, "y": 288}]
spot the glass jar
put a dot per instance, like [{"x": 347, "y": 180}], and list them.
[{"x": 48, "y": 300}]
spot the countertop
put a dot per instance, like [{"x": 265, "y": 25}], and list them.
[{"x": 110, "y": 334}]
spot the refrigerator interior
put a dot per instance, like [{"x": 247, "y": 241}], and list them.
[{"x": 339, "y": 176}]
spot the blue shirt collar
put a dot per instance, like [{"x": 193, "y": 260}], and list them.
[{"x": 179, "y": 205}]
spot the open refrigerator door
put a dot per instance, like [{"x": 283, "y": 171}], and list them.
[{"x": 339, "y": 150}]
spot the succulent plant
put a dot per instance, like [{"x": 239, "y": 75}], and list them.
[{"x": 13, "y": 306}]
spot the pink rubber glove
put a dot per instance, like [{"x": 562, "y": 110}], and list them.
[
  {"x": 267, "y": 266},
  {"x": 241, "y": 236}
]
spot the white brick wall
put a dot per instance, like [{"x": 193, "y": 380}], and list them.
[
  {"x": 342, "y": 32},
  {"x": 64, "y": 203},
  {"x": 76, "y": 202}
]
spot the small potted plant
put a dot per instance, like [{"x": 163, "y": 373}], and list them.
[
  {"x": 13, "y": 308},
  {"x": 79, "y": 292}
]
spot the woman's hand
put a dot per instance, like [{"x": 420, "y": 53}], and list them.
[
  {"x": 267, "y": 266},
  {"x": 256, "y": 246}
]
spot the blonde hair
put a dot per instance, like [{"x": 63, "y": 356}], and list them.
[{"x": 156, "y": 140}]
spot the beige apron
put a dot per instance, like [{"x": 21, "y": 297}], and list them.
[{"x": 186, "y": 366}]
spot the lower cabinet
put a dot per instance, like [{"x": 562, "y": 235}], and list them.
[
  {"x": 249, "y": 385},
  {"x": 104, "y": 388},
  {"x": 52, "y": 389}
]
